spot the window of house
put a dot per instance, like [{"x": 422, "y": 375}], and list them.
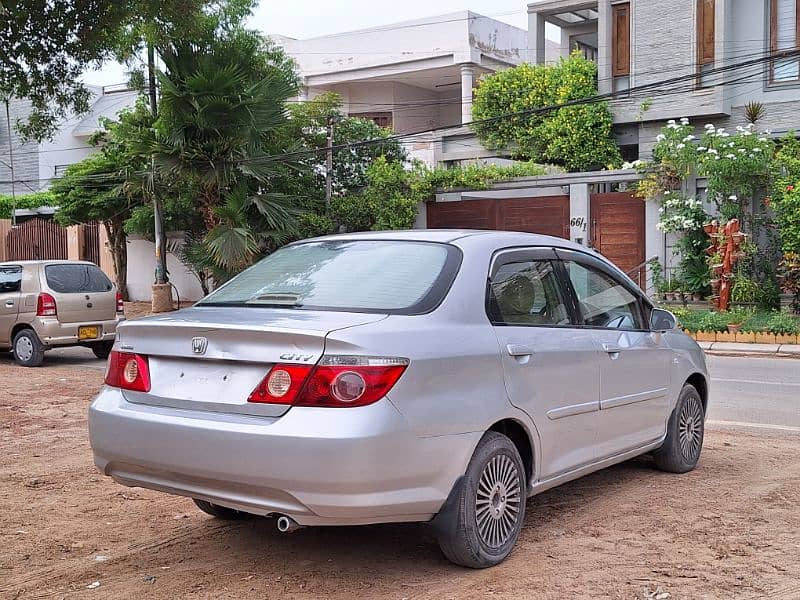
[
  {"x": 621, "y": 46},
  {"x": 382, "y": 119},
  {"x": 705, "y": 40},
  {"x": 784, "y": 26}
]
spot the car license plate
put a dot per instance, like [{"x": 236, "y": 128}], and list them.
[{"x": 88, "y": 333}]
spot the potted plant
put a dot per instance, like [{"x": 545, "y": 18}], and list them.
[
  {"x": 735, "y": 317},
  {"x": 789, "y": 278},
  {"x": 744, "y": 290}
]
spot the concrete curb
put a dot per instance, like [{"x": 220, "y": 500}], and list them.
[{"x": 734, "y": 348}]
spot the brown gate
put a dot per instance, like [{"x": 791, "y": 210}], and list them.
[
  {"x": 91, "y": 242},
  {"x": 548, "y": 215},
  {"x": 37, "y": 239},
  {"x": 617, "y": 220}
]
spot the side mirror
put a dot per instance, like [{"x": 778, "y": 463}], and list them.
[{"x": 662, "y": 320}]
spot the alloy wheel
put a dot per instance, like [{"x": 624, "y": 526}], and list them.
[
  {"x": 24, "y": 349},
  {"x": 690, "y": 429},
  {"x": 497, "y": 503}
]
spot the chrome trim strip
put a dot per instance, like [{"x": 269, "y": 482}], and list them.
[
  {"x": 633, "y": 398},
  {"x": 572, "y": 410}
]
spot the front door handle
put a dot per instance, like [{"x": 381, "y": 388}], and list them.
[
  {"x": 519, "y": 350},
  {"x": 9, "y": 303},
  {"x": 611, "y": 348}
]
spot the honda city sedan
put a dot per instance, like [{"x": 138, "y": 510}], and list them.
[{"x": 417, "y": 376}]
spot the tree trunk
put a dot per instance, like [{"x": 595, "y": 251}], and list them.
[
  {"x": 151, "y": 80},
  {"x": 118, "y": 240}
]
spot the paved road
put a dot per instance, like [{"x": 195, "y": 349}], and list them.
[{"x": 755, "y": 390}]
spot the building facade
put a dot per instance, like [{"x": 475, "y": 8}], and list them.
[{"x": 696, "y": 45}]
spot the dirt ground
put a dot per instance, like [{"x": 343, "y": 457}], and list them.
[{"x": 730, "y": 529}]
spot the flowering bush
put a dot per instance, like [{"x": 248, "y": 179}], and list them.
[
  {"x": 579, "y": 137},
  {"x": 680, "y": 213},
  {"x": 685, "y": 215},
  {"x": 737, "y": 166},
  {"x": 785, "y": 199}
]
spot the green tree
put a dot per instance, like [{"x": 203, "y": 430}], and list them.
[
  {"x": 107, "y": 186},
  {"x": 44, "y": 47},
  {"x": 579, "y": 136}
]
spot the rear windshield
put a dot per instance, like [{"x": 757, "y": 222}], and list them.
[
  {"x": 76, "y": 279},
  {"x": 396, "y": 277}
]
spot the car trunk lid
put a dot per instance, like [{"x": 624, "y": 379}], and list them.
[{"x": 211, "y": 358}]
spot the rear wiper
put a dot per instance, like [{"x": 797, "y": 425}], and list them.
[{"x": 283, "y": 300}]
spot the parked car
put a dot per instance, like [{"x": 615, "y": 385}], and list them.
[
  {"x": 52, "y": 303},
  {"x": 439, "y": 376}
]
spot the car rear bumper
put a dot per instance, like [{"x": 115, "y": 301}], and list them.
[
  {"x": 53, "y": 332},
  {"x": 320, "y": 466}
]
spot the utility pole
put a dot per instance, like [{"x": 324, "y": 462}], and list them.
[
  {"x": 161, "y": 262},
  {"x": 11, "y": 166},
  {"x": 329, "y": 166}
]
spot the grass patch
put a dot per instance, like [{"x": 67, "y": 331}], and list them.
[{"x": 752, "y": 321}]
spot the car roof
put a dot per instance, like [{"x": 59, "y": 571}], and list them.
[
  {"x": 45, "y": 262},
  {"x": 495, "y": 238}
]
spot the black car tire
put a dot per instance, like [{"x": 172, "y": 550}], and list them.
[
  {"x": 473, "y": 508},
  {"x": 221, "y": 512},
  {"x": 102, "y": 349},
  {"x": 33, "y": 355},
  {"x": 685, "y": 432}
]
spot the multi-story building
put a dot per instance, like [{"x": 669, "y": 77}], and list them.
[{"x": 694, "y": 43}]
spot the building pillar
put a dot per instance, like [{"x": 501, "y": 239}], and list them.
[
  {"x": 74, "y": 239},
  {"x": 536, "y": 38},
  {"x": 579, "y": 213},
  {"x": 106, "y": 259},
  {"x": 605, "y": 82},
  {"x": 467, "y": 83}
]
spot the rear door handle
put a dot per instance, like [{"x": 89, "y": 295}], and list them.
[
  {"x": 519, "y": 350},
  {"x": 611, "y": 348}
]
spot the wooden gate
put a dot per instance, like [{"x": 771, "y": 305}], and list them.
[
  {"x": 617, "y": 221},
  {"x": 90, "y": 244},
  {"x": 548, "y": 215},
  {"x": 37, "y": 239}
]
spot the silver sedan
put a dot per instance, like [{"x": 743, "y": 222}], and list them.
[{"x": 415, "y": 376}]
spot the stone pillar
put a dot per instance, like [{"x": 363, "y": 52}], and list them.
[
  {"x": 106, "y": 260},
  {"x": 605, "y": 83},
  {"x": 5, "y": 228},
  {"x": 536, "y": 38},
  {"x": 467, "y": 82}
]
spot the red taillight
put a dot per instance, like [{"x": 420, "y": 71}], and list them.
[
  {"x": 46, "y": 306},
  {"x": 120, "y": 304},
  {"x": 337, "y": 381},
  {"x": 128, "y": 371}
]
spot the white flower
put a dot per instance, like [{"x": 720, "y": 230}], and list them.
[
  {"x": 661, "y": 209},
  {"x": 701, "y": 148},
  {"x": 709, "y": 127},
  {"x": 671, "y": 122},
  {"x": 684, "y": 121},
  {"x": 660, "y": 226},
  {"x": 721, "y": 133},
  {"x": 660, "y": 137},
  {"x": 688, "y": 138},
  {"x": 730, "y": 156},
  {"x": 762, "y": 139},
  {"x": 734, "y": 197},
  {"x": 713, "y": 151},
  {"x": 742, "y": 150},
  {"x": 681, "y": 146},
  {"x": 756, "y": 149}
]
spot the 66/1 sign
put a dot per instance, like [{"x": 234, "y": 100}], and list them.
[{"x": 579, "y": 222}]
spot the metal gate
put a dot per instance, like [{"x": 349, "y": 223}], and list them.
[
  {"x": 90, "y": 244},
  {"x": 37, "y": 239}
]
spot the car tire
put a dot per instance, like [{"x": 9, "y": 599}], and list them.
[
  {"x": 685, "y": 431},
  {"x": 481, "y": 521},
  {"x": 102, "y": 349},
  {"x": 28, "y": 349},
  {"x": 220, "y": 512}
]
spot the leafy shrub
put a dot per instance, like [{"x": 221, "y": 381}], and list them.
[
  {"x": 28, "y": 201},
  {"x": 578, "y": 137},
  {"x": 781, "y": 323},
  {"x": 712, "y": 321}
]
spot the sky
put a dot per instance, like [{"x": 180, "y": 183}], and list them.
[{"x": 299, "y": 19}]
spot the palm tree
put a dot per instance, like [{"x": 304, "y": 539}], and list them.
[{"x": 223, "y": 109}]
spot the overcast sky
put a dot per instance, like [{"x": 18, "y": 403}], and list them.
[{"x": 304, "y": 19}]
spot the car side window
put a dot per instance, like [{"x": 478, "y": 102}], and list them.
[
  {"x": 527, "y": 293},
  {"x": 602, "y": 300},
  {"x": 10, "y": 279}
]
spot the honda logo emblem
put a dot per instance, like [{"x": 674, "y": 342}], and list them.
[{"x": 199, "y": 345}]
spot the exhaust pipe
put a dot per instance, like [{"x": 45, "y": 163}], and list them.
[{"x": 287, "y": 524}]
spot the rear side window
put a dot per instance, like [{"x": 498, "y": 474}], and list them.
[
  {"x": 10, "y": 279},
  {"x": 76, "y": 279},
  {"x": 397, "y": 277},
  {"x": 527, "y": 293}
]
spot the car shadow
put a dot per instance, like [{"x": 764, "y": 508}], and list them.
[
  {"x": 62, "y": 357},
  {"x": 391, "y": 547}
]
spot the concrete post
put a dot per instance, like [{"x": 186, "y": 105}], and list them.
[
  {"x": 5, "y": 227},
  {"x": 74, "y": 239},
  {"x": 579, "y": 213},
  {"x": 106, "y": 260},
  {"x": 536, "y": 38},
  {"x": 467, "y": 82}
]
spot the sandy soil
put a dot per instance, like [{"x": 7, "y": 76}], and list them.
[{"x": 730, "y": 529}]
